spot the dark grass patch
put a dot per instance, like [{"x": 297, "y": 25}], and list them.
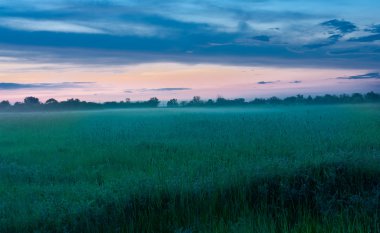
[{"x": 324, "y": 191}]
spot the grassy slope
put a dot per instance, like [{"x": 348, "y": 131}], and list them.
[{"x": 198, "y": 169}]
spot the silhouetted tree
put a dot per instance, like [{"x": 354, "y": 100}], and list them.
[
  {"x": 210, "y": 102},
  {"x": 357, "y": 98},
  {"x": 183, "y": 103},
  {"x": 290, "y": 100},
  {"x": 31, "y": 100},
  {"x": 330, "y": 99},
  {"x": 274, "y": 100},
  {"x": 300, "y": 99},
  {"x": 238, "y": 101},
  {"x": 73, "y": 101},
  {"x": 372, "y": 97},
  {"x": 172, "y": 103},
  {"x": 113, "y": 104},
  {"x": 319, "y": 99},
  {"x": 4, "y": 104},
  {"x": 153, "y": 102},
  {"x": 344, "y": 98},
  {"x": 196, "y": 101},
  {"x": 51, "y": 101},
  {"x": 309, "y": 100},
  {"x": 258, "y": 101},
  {"x": 220, "y": 101}
]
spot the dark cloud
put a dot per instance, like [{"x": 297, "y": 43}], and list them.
[
  {"x": 295, "y": 82},
  {"x": 263, "y": 38},
  {"x": 13, "y": 86},
  {"x": 370, "y": 38},
  {"x": 374, "y": 28},
  {"x": 340, "y": 25},
  {"x": 263, "y": 83},
  {"x": 375, "y": 75},
  {"x": 230, "y": 54},
  {"x": 359, "y": 52}
]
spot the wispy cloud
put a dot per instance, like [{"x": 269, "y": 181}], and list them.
[
  {"x": 331, "y": 40},
  {"x": 158, "y": 89},
  {"x": 374, "y": 75},
  {"x": 369, "y": 38},
  {"x": 80, "y": 26},
  {"x": 64, "y": 85},
  {"x": 171, "y": 89},
  {"x": 47, "y": 26},
  {"x": 373, "y": 28},
  {"x": 264, "y": 82}
]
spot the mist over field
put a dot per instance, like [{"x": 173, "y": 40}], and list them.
[
  {"x": 189, "y": 116},
  {"x": 263, "y": 169}
]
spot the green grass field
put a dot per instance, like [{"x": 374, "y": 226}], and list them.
[{"x": 264, "y": 169}]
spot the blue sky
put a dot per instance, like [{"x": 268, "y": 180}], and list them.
[
  {"x": 194, "y": 31},
  {"x": 321, "y": 34}
]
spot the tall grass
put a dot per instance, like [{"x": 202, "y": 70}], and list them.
[{"x": 283, "y": 169}]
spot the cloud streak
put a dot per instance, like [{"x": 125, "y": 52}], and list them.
[
  {"x": 370, "y": 38},
  {"x": 171, "y": 89},
  {"x": 64, "y": 85},
  {"x": 264, "y": 82},
  {"x": 47, "y": 26},
  {"x": 374, "y": 75},
  {"x": 164, "y": 89}
]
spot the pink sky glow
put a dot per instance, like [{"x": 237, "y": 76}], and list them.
[{"x": 140, "y": 82}]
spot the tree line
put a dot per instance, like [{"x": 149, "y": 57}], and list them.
[
  {"x": 34, "y": 104},
  {"x": 369, "y": 97}
]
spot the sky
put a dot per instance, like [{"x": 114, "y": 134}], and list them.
[{"x": 105, "y": 50}]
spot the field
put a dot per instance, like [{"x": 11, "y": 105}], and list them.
[{"x": 262, "y": 169}]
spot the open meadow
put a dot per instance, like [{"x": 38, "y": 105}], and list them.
[{"x": 256, "y": 169}]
